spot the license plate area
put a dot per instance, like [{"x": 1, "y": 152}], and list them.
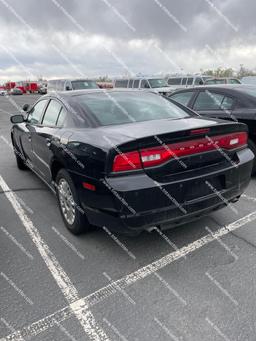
[{"x": 201, "y": 188}]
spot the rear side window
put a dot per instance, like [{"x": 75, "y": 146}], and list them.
[
  {"x": 207, "y": 100},
  {"x": 184, "y": 81},
  {"x": 121, "y": 83},
  {"x": 227, "y": 103},
  {"x": 62, "y": 117},
  {"x": 130, "y": 83},
  {"x": 182, "y": 97},
  {"x": 136, "y": 83},
  {"x": 190, "y": 81},
  {"x": 174, "y": 81},
  {"x": 52, "y": 113}
]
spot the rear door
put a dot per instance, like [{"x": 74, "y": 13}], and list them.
[{"x": 214, "y": 104}]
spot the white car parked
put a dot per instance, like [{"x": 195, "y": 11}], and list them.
[
  {"x": 181, "y": 82},
  {"x": 3, "y": 92},
  {"x": 156, "y": 84}
]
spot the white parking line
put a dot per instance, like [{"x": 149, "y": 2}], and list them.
[
  {"x": 248, "y": 197},
  {"x": 103, "y": 293},
  {"x": 78, "y": 306}
]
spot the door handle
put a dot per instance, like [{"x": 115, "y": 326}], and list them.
[{"x": 49, "y": 141}]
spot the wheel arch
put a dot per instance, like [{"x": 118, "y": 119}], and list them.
[{"x": 56, "y": 166}]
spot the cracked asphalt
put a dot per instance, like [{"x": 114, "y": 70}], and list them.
[{"x": 207, "y": 295}]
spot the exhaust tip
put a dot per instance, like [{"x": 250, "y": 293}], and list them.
[{"x": 235, "y": 199}]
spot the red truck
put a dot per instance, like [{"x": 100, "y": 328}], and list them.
[
  {"x": 9, "y": 85},
  {"x": 25, "y": 86},
  {"x": 31, "y": 87}
]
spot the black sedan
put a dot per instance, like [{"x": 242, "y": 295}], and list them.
[
  {"x": 131, "y": 160},
  {"x": 230, "y": 102}
]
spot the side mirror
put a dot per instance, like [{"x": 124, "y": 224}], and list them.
[
  {"x": 68, "y": 88},
  {"x": 17, "y": 119},
  {"x": 26, "y": 107}
]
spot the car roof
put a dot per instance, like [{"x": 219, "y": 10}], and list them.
[
  {"x": 139, "y": 77},
  {"x": 223, "y": 78},
  {"x": 219, "y": 87},
  {"x": 74, "y": 93},
  {"x": 187, "y": 76},
  {"x": 71, "y": 79}
]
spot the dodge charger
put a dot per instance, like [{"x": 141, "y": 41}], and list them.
[{"x": 131, "y": 160}]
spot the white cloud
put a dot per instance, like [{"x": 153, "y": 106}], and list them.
[{"x": 53, "y": 52}]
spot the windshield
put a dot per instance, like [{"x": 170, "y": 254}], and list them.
[
  {"x": 120, "y": 108},
  {"x": 205, "y": 78},
  {"x": 215, "y": 81},
  {"x": 86, "y": 84},
  {"x": 157, "y": 83},
  {"x": 234, "y": 81}
]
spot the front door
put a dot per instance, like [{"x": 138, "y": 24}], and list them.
[
  {"x": 29, "y": 129},
  {"x": 46, "y": 135}
]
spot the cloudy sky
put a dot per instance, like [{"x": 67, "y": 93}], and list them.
[{"x": 74, "y": 38}]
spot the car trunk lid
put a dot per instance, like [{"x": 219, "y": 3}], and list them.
[{"x": 185, "y": 145}]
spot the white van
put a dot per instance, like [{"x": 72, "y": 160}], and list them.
[
  {"x": 181, "y": 82},
  {"x": 70, "y": 84},
  {"x": 157, "y": 84}
]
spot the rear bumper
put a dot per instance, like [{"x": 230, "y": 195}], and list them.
[{"x": 132, "y": 204}]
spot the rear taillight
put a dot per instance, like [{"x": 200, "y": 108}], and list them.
[
  {"x": 155, "y": 156},
  {"x": 232, "y": 141},
  {"x": 126, "y": 162}
]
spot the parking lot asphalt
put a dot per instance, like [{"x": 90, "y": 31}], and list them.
[{"x": 194, "y": 282}]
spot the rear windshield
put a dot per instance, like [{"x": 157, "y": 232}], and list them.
[
  {"x": 120, "y": 108},
  {"x": 79, "y": 85}
]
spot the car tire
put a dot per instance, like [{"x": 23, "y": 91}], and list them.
[
  {"x": 252, "y": 146},
  {"x": 73, "y": 215}
]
